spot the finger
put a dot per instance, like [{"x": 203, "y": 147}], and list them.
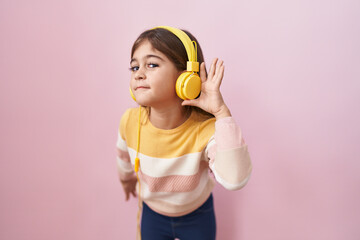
[
  {"x": 202, "y": 72},
  {"x": 127, "y": 196},
  {"x": 190, "y": 103},
  {"x": 219, "y": 75},
  {"x": 217, "y": 71},
  {"x": 222, "y": 69},
  {"x": 134, "y": 193},
  {"x": 212, "y": 68}
]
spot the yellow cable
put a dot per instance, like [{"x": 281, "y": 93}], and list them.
[
  {"x": 137, "y": 160},
  {"x": 139, "y": 210},
  {"x": 137, "y": 166}
]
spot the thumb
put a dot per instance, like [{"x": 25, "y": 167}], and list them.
[
  {"x": 190, "y": 103},
  {"x": 134, "y": 193}
]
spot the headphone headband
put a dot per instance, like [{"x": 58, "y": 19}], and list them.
[{"x": 191, "y": 50}]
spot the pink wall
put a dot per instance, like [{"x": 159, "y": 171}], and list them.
[{"x": 292, "y": 82}]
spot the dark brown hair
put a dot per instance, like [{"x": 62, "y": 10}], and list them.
[{"x": 170, "y": 45}]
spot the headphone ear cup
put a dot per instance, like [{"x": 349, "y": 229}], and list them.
[
  {"x": 179, "y": 83},
  {"x": 132, "y": 94},
  {"x": 188, "y": 85}
]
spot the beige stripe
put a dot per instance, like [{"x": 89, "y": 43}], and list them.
[
  {"x": 229, "y": 186},
  {"x": 233, "y": 166}
]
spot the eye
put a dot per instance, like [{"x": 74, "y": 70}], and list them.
[
  {"x": 133, "y": 69},
  {"x": 153, "y": 65}
]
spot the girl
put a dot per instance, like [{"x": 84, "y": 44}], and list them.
[{"x": 177, "y": 140}]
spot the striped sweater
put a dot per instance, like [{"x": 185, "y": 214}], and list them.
[{"x": 174, "y": 164}]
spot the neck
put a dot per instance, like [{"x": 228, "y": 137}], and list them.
[{"x": 168, "y": 118}]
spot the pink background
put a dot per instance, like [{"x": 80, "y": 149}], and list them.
[{"x": 292, "y": 82}]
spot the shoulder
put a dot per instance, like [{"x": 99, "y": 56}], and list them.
[
  {"x": 206, "y": 125},
  {"x": 129, "y": 114},
  {"x": 128, "y": 117}
]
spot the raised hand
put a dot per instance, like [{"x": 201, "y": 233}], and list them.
[{"x": 210, "y": 99}]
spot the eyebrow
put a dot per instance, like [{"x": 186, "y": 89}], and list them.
[{"x": 146, "y": 57}]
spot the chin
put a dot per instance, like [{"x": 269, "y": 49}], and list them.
[{"x": 143, "y": 102}]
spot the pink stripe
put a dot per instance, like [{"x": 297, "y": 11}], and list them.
[
  {"x": 123, "y": 155},
  {"x": 174, "y": 183}
]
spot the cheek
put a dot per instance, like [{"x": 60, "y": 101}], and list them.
[
  {"x": 132, "y": 81},
  {"x": 172, "y": 79},
  {"x": 169, "y": 85}
]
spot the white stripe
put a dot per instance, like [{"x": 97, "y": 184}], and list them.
[
  {"x": 160, "y": 167},
  {"x": 210, "y": 143},
  {"x": 177, "y": 198},
  {"x": 121, "y": 144}
]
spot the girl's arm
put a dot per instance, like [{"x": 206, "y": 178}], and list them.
[
  {"x": 228, "y": 155},
  {"x": 125, "y": 169}
]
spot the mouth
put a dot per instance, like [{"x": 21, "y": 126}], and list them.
[{"x": 141, "y": 87}]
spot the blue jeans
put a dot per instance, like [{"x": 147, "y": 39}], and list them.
[{"x": 199, "y": 224}]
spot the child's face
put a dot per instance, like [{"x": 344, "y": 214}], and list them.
[{"x": 153, "y": 77}]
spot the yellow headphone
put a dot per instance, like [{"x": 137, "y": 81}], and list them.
[{"x": 188, "y": 84}]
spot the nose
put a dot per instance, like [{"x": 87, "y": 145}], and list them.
[{"x": 140, "y": 74}]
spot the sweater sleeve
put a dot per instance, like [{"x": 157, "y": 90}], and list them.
[
  {"x": 124, "y": 166},
  {"x": 228, "y": 155}
]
